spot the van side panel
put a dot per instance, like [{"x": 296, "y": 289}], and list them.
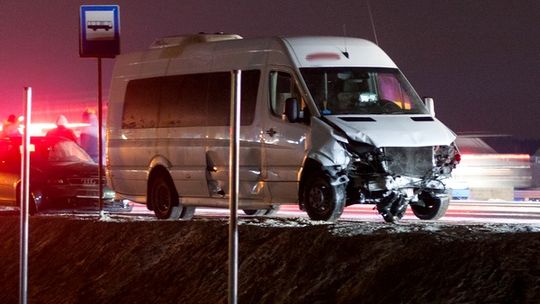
[
  {"x": 250, "y": 57},
  {"x": 133, "y": 152},
  {"x": 195, "y": 156},
  {"x": 129, "y": 151}
]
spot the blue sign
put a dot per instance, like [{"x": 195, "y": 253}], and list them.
[{"x": 99, "y": 31}]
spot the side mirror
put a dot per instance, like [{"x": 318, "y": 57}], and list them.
[
  {"x": 430, "y": 105},
  {"x": 291, "y": 109}
]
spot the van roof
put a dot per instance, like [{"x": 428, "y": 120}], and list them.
[
  {"x": 304, "y": 51},
  {"x": 320, "y": 51},
  {"x": 179, "y": 40}
]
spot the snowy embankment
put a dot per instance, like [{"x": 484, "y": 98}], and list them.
[{"x": 122, "y": 260}]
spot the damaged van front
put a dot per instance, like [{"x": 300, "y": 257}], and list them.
[{"x": 373, "y": 141}]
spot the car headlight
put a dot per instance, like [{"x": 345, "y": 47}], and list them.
[
  {"x": 108, "y": 193},
  {"x": 56, "y": 181}
]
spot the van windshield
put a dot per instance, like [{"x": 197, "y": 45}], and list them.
[{"x": 352, "y": 90}]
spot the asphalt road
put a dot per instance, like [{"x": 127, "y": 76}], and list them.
[
  {"x": 464, "y": 211},
  {"x": 458, "y": 211}
]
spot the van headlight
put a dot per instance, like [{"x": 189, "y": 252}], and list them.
[{"x": 446, "y": 157}]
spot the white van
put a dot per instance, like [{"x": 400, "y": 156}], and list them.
[{"x": 326, "y": 122}]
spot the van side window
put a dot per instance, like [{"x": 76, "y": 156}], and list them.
[
  {"x": 219, "y": 97},
  {"x": 282, "y": 86},
  {"x": 192, "y": 100},
  {"x": 250, "y": 88},
  {"x": 183, "y": 101},
  {"x": 141, "y": 103}
]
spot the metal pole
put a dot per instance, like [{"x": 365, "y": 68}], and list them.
[
  {"x": 234, "y": 133},
  {"x": 24, "y": 195},
  {"x": 100, "y": 136}
]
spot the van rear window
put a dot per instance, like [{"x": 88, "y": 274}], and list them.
[{"x": 191, "y": 100}]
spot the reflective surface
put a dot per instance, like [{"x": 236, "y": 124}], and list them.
[{"x": 361, "y": 91}]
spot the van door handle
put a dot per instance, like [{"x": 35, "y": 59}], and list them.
[{"x": 271, "y": 132}]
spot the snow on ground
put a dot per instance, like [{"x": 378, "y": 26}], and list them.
[{"x": 124, "y": 259}]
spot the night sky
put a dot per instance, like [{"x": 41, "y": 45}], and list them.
[{"x": 479, "y": 59}]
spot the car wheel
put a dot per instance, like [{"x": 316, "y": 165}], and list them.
[
  {"x": 32, "y": 205},
  {"x": 430, "y": 207},
  {"x": 322, "y": 201},
  {"x": 164, "y": 198},
  {"x": 32, "y": 208}
]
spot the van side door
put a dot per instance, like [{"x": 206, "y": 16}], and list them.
[
  {"x": 217, "y": 151},
  {"x": 283, "y": 142}
]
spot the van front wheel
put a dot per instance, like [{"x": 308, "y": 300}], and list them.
[
  {"x": 164, "y": 199},
  {"x": 322, "y": 201},
  {"x": 433, "y": 207}
]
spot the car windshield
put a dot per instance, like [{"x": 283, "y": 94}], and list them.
[
  {"x": 44, "y": 150},
  {"x": 63, "y": 151},
  {"x": 352, "y": 90}
]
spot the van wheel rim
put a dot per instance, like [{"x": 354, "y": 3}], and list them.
[
  {"x": 318, "y": 198},
  {"x": 162, "y": 199}
]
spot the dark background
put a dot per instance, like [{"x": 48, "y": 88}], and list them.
[{"x": 480, "y": 60}]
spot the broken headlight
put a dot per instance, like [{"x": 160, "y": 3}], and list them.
[{"x": 446, "y": 157}]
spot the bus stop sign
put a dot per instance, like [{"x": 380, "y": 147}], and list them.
[{"x": 99, "y": 33}]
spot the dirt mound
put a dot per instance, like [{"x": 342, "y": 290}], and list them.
[{"x": 281, "y": 261}]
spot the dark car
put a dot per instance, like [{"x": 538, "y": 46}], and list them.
[{"x": 62, "y": 175}]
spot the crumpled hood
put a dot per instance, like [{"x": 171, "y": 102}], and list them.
[{"x": 394, "y": 130}]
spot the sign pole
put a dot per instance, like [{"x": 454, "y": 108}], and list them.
[
  {"x": 24, "y": 195},
  {"x": 100, "y": 137},
  {"x": 99, "y": 36},
  {"x": 234, "y": 134}
]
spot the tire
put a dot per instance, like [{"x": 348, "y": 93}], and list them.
[
  {"x": 164, "y": 198},
  {"x": 435, "y": 206},
  {"x": 392, "y": 208},
  {"x": 272, "y": 210},
  {"x": 187, "y": 212},
  {"x": 262, "y": 212},
  {"x": 254, "y": 212},
  {"x": 322, "y": 201},
  {"x": 32, "y": 206}
]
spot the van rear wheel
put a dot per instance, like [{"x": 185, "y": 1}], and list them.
[
  {"x": 164, "y": 198},
  {"x": 322, "y": 201}
]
